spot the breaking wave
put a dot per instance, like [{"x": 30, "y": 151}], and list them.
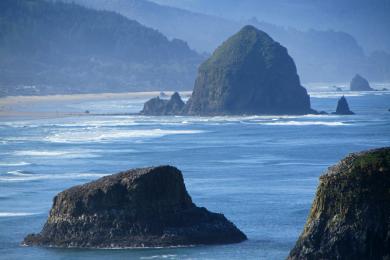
[
  {"x": 106, "y": 135},
  {"x": 305, "y": 123},
  {"x": 23, "y": 176}
]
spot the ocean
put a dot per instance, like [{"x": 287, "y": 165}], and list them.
[{"x": 260, "y": 171}]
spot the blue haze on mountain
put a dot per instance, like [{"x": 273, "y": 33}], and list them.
[
  {"x": 367, "y": 21},
  {"x": 58, "y": 46},
  {"x": 323, "y": 51}
]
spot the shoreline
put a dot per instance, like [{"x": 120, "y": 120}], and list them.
[
  {"x": 15, "y": 108},
  {"x": 7, "y": 100},
  {"x": 30, "y": 107}
]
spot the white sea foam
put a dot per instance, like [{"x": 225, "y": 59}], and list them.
[
  {"x": 305, "y": 123},
  {"x": 16, "y": 214},
  {"x": 23, "y": 176},
  {"x": 106, "y": 135},
  {"x": 336, "y": 94},
  {"x": 160, "y": 257},
  {"x": 127, "y": 121},
  {"x": 69, "y": 154},
  {"x": 19, "y": 173},
  {"x": 14, "y": 163}
]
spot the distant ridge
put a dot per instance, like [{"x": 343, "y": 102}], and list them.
[
  {"x": 321, "y": 55},
  {"x": 55, "y": 47}
]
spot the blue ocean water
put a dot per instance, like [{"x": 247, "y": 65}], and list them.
[{"x": 260, "y": 171}]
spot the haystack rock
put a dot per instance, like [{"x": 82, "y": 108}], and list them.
[
  {"x": 343, "y": 107},
  {"x": 147, "y": 207},
  {"x": 358, "y": 83},
  {"x": 349, "y": 218},
  {"x": 161, "y": 107},
  {"x": 250, "y": 73}
]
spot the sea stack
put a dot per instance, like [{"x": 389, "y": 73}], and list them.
[
  {"x": 349, "y": 218},
  {"x": 161, "y": 107},
  {"x": 250, "y": 73},
  {"x": 343, "y": 107},
  {"x": 147, "y": 207},
  {"x": 358, "y": 83}
]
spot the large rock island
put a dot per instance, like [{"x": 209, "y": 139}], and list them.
[
  {"x": 250, "y": 73},
  {"x": 349, "y": 218},
  {"x": 147, "y": 207},
  {"x": 358, "y": 83}
]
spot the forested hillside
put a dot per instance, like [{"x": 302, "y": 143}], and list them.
[
  {"x": 54, "y": 47},
  {"x": 321, "y": 55}
]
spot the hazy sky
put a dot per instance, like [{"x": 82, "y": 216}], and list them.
[{"x": 366, "y": 20}]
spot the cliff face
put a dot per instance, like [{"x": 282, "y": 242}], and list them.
[
  {"x": 350, "y": 215},
  {"x": 138, "y": 208},
  {"x": 358, "y": 83},
  {"x": 249, "y": 73}
]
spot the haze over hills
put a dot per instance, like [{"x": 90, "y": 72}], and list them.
[
  {"x": 52, "y": 48},
  {"x": 320, "y": 55},
  {"x": 367, "y": 21},
  {"x": 328, "y": 56},
  {"x": 203, "y": 32}
]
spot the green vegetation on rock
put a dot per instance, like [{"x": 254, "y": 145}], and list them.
[
  {"x": 351, "y": 211},
  {"x": 250, "y": 73}
]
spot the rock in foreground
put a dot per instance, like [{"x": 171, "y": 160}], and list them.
[
  {"x": 350, "y": 215},
  {"x": 358, "y": 83},
  {"x": 343, "y": 107},
  {"x": 147, "y": 207},
  {"x": 250, "y": 73}
]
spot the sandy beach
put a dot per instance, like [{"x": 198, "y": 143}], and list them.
[{"x": 58, "y": 105}]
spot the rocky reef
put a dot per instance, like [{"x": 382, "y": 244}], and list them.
[
  {"x": 161, "y": 107},
  {"x": 343, "y": 107},
  {"x": 358, "y": 83},
  {"x": 249, "y": 73},
  {"x": 147, "y": 207},
  {"x": 349, "y": 218}
]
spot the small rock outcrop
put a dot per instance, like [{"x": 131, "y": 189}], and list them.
[
  {"x": 358, "y": 83},
  {"x": 147, "y": 207},
  {"x": 343, "y": 107},
  {"x": 250, "y": 73},
  {"x": 350, "y": 215},
  {"x": 338, "y": 89},
  {"x": 162, "y": 94},
  {"x": 161, "y": 107}
]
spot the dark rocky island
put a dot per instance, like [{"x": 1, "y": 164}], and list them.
[
  {"x": 349, "y": 218},
  {"x": 147, "y": 207},
  {"x": 250, "y": 73},
  {"x": 161, "y": 107},
  {"x": 358, "y": 83},
  {"x": 343, "y": 107}
]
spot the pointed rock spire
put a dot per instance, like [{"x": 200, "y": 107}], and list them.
[{"x": 343, "y": 107}]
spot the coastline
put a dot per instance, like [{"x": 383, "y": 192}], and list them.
[{"x": 30, "y": 107}]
